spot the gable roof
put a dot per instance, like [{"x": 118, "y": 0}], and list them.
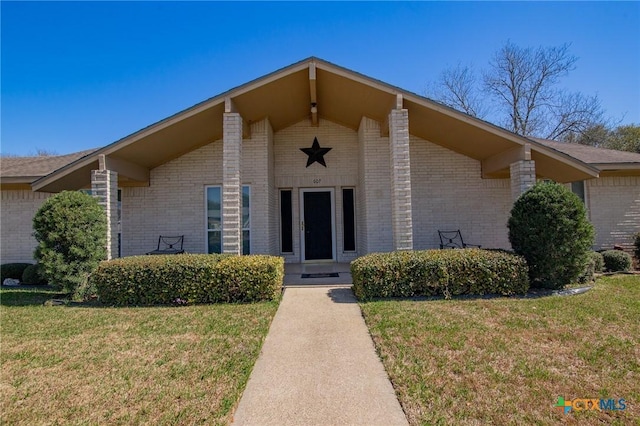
[
  {"x": 610, "y": 162},
  {"x": 24, "y": 170},
  {"x": 290, "y": 95}
]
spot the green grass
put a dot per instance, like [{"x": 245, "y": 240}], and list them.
[
  {"x": 87, "y": 364},
  {"x": 506, "y": 361}
]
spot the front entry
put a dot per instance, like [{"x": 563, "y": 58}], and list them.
[{"x": 317, "y": 226}]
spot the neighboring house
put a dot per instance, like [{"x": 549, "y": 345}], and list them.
[{"x": 315, "y": 162}]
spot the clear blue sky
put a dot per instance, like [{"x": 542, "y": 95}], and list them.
[{"x": 80, "y": 75}]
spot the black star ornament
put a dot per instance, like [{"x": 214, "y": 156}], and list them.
[{"x": 315, "y": 153}]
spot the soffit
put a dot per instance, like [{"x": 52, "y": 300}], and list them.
[{"x": 284, "y": 97}]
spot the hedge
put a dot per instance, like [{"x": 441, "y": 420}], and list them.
[
  {"x": 188, "y": 278},
  {"x": 439, "y": 272},
  {"x": 616, "y": 261},
  {"x": 12, "y": 270},
  {"x": 34, "y": 274}
]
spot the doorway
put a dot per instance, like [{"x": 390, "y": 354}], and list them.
[{"x": 317, "y": 211}]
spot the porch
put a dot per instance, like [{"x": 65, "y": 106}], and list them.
[{"x": 318, "y": 274}]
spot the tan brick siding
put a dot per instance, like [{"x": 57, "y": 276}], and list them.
[
  {"x": 341, "y": 171},
  {"x": 373, "y": 208},
  {"x": 16, "y": 230},
  {"x": 449, "y": 193},
  {"x": 614, "y": 210}
]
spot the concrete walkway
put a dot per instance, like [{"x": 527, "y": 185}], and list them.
[{"x": 318, "y": 366}]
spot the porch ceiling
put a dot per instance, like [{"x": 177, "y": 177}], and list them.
[{"x": 285, "y": 97}]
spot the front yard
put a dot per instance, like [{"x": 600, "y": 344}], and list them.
[
  {"x": 84, "y": 364},
  {"x": 506, "y": 361}
]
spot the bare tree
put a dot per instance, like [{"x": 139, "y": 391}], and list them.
[
  {"x": 457, "y": 87},
  {"x": 520, "y": 88}
]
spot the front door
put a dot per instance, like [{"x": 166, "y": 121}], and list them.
[{"x": 317, "y": 226}]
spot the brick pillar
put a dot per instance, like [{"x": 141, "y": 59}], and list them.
[
  {"x": 231, "y": 187},
  {"x": 401, "y": 218},
  {"x": 104, "y": 186},
  {"x": 523, "y": 177}
]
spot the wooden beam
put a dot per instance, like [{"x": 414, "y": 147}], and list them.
[
  {"x": 229, "y": 105},
  {"x": 124, "y": 167},
  {"x": 313, "y": 94},
  {"x": 399, "y": 101},
  {"x": 504, "y": 159}
]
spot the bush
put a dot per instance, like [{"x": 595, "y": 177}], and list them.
[
  {"x": 188, "y": 278},
  {"x": 549, "y": 228},
  {"x": 636, "y": 246},
  {"x": 34, "y": 274},
  {"x": 595, "y": 264},
  {"x": 438, "y": 272},
  {"x": 616, "y": 261},
  {"x": 71, "y": 230},
  {"x": 12, "y": 270}
]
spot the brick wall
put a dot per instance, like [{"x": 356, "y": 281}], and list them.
[
  {"x": 291, "y": 171},
  {"x": 614, "y": 210},
  {"x": 448, "y": 193},
  {"x": 16, "y": 230},
  {"x": 173, "y": 203},
  {"x": 374, "y": 189}
]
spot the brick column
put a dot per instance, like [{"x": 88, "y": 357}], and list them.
[
  {"x": 104, "y": 186},
  {"x": 231, "y": 187},
  {"x": 401, "y": 218},
  {"x": 523, "y": 177}
]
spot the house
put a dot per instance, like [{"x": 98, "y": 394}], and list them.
[{"x": 315, "y": 162}]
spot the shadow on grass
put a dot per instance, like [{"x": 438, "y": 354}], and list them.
[
  {"x": 29, "y": 295},
  {"x": 38, "y": 295}
]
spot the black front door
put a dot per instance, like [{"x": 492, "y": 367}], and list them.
[{"x": 318, "y": 241}]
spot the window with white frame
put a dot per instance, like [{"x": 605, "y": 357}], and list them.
[{"x": 214, "y": 219}]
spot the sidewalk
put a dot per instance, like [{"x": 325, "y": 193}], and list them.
[{"x": 318, "y": 366}]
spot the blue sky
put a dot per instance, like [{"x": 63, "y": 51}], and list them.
[{"x": 79, "y": 75}]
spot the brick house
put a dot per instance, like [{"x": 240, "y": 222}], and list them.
[{"x": 315, "y": 162}]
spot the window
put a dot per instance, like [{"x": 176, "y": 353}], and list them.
[
  {"x": 578, "y": 189},
  {"x": 214, "y": 220},
  {"x": 348, "y": 219},
  {"x": 246, "y": 221},
  {"x": 286, "y": 222}
]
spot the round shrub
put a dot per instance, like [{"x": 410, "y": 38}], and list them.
[
  {"x": 549, "y": 228},
  {"x": 71, "y": 230},
  {"x": 34, "y": 274},
  {"x": 12, "y": 270},
  {"x": 616, "y": 261}
]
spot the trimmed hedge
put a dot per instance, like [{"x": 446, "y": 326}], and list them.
[
  {"x": 12, "y": 270},
  {"x": 34, "y": 274},
  {"x": 188, "y": 278},
  {"x": 439, "y": 272},
  {"x": 616, "y": 261}
]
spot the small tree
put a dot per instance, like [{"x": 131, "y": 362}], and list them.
[
  {"x": 71, "y": 230},
  {"x": 549, "y": 228}
]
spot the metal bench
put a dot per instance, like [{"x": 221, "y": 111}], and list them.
[
  {"x": 453, "y": 240},
  {"x": 169, "y": 245}
]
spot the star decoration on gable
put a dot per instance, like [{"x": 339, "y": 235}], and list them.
[{"x": 315, "y": 153}]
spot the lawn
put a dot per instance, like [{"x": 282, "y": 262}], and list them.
[
  {"x": 87, "y": 364},
  {"x": 506, "y": 361}
]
